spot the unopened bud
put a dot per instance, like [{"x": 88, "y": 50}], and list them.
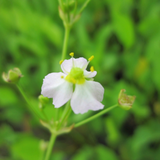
[
  {"x": 13, "y": 75},
  {"x": 125, "y": 101},
  {"x": 42, "y": 101},
  {"x": 68, "y": 7}
]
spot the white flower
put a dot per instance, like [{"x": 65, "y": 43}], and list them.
[{"x": 74, "y": 84}]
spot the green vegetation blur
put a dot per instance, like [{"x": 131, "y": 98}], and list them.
[{"x": 124, "y": 37}]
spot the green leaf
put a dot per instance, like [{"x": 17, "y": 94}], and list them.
[
  {"x": 153, "y": 56},
  {"x": 26, "y": 148},
  {"x": 14, "y": 115},
  {"x": 85, "y": 153},
  {"x": 112, "y": 131},
  {"x": 58, "y": 155},
  {"x": 104, "y": 153},
  {"x": 124, "y": 29},
  {"x": 143, "y": 138},
  {"x": 150, "y": 25},
  {"x": 7, "y": 135},
  {"x": 7, "y": 96}
]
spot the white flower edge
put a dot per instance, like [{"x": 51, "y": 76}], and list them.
[
  {"x": 87, "y": 97},
  {"x": 57, "y": 88}
]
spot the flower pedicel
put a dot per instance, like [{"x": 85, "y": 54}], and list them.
[{"x": 75, "y": 83}]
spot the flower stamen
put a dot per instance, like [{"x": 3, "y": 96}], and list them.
[
  {"x": 72, "y": 54},
  {"x": 92, "y": 69},
  {"x": 91, "y": 58},
  {"x": 61, "y": 61}
]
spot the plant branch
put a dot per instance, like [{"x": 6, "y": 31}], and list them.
[
  {"x": 65, "y": 43},
  {"x": 30, "y": 107},
  {"x": 84, "y": 6},
  {"x": 50, "y": 146},
  {"x": 95, "y": 116}
]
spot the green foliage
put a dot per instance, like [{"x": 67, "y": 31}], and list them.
[
  {"x": 26, "y": 147},
  {"x": 124, "y": 37}
]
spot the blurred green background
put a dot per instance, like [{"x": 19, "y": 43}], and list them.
[{"x": 124, "y": 37}]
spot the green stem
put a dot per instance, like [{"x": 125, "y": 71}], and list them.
[
  {"x": 44, "y": 115},
  {"x": 84, "y": 6},
  {"x": 65, "y": 113},
  {"x": 68, "y": 15},
  {"x": 95, "y": 116},
  {"x": 50, "y": 146},
  {"x": 29, "y": 105},
  {"x": 68, "y": 113},
  {"x": 65, "y": 43}
]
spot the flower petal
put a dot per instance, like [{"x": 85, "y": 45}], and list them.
[
  {"x": 67, "y": 65},
  {"x": 87, "y": 97},
  {"x": 88, "y": 74},
  {"x": 80, "y": 62},
  {"x": 73, "y": 62},
  {"x": 55, "y": 86}
]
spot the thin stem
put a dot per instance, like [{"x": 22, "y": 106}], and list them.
[
  {"x": 84, "y": 6},
  {"x": 68, "y": 15},
  {"x": 50, "y": 146},
  {"x": 65, "y": 113},
  {"x": 95, "y": 116},
  {"x": 30, "y": 107},
  {"x": 44, "y": 115},
  {"x": 65, "y": 43},
  {"x": 68, "y": 113}
]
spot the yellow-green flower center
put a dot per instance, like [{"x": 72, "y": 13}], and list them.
[{"x": 76, "y": 76}]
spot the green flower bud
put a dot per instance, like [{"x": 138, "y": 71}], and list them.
[
  {"x": 69, "y": 7},
  {"x": 13, "y": 75},
  {"x": 42, "y": 101},
  {"x": 125, "y": 101}
]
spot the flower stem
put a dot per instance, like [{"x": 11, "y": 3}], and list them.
[
  {"x": 29, "y": 104},
  {"x": 84, "y": 6},
  {"x": 50, "y": 146},
  {"x": 65, "y": 43},
  {"x": 66, "y": 113},
  {"x": 95, "y": 116}
]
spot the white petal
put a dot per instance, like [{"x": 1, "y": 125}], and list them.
[
  {"x": 73, "y": 62},
  {"x": 57, "y": 88},
  {"x": 87, "y": 97},
  {"x": 88, "y": 74},
  {"x": 80, "y": 62},
  {"x": 67, "y": 65}
]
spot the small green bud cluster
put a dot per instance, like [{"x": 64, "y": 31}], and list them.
[
  {"x": 13, "y": 75},
  {"x": 68, "y": 7},
  {"x": 42, "y": 101},
  {"x": 125, "y": 101},
  {"x": 67, "y": 12}
]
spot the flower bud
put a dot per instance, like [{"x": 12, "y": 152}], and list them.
[
  {"x": 13, "y": 75},
  {"x": 68, "y": 7},
  {"x": 125, "y": 101},
  {"x": 42, "y": 101}
]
